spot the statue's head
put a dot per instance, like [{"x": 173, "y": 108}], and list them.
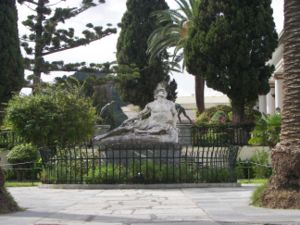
[{"x": 160, "y": 91}]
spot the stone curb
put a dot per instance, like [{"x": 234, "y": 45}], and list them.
[{"x": 139, "y": 186}]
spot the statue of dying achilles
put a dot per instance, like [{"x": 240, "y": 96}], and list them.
[{"x": 159, "y": 126}]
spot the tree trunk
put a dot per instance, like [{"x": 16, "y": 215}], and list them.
[
  {"x": 199, "y": 93},
  {"x": 238, "y": 112},
  {"x": 38, "y": 50},
  {"x": 283, "y": 189},
  {"x": 1, "y": 178},
  {"x": 7, "y": 203}
]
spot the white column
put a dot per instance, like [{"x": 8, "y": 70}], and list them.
[
  {"x": 278, "y": 94},
  {"x": 271, "y": 102},
  {"x": 262, "y": 104}
]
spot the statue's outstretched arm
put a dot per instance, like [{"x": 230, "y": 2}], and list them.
[{"x": 140, "y": 115}]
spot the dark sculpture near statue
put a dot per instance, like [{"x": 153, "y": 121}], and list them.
[{"x": 180, "y": 110}]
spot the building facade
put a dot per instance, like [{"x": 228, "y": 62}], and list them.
[{"x": 272, "y": 102}]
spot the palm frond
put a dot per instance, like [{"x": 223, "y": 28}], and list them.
[{"x": 169, "y": 34}]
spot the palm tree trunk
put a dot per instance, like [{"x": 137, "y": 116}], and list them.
[
  {"x": 284, "y": 186},
  {"x": 1, "y": 178},
  {"x": 199, "y": 93},
  {"x": 7, "y": 203}
]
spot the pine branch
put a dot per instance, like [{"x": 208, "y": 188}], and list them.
[
  {"x": 79, "y": 42},
  {"x": 29, "y": 1},
  {"x": 81, "y": 66},
  {"x": 62, "y": 14}
]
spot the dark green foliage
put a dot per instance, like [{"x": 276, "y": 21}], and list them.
[
  {"x": 137, "y": 26},
  {"x": 56, "y": 116},
  {"x": 171, "y": 34},
  {"x": 261, "y": 167},
  {"x": 256, "y": 198},
  {"x": 230, "y": 44},
  {"x": 219, "y": 117},
  {"x": 11, "y": 62},
  {"x": 207, "y": 115},
  {"x": 257, "y": 167},
  {"x": 136, "y": 172},
  {"x": 211, "y": 111},
  {"x": 9, "y": 139},
  {"x": 103, "y": 93},
  {"x": 24, "y": 158},
  {"x": 48, "y": 37},
  {"x": 22, "y": 153},
  {"x": 267, "y": 130},
  {"x": 202, "y": 119}
]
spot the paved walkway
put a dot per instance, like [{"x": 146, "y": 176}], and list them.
[{"x": 207, "y": 206}]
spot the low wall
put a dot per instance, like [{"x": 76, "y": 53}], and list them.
[
  {"x": 246, "y": 152},
  {"x": 184, "y": 134}
]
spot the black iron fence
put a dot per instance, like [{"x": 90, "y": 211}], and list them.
[
  {"x": 22, "y": 172},
  {"x": 219, "y": 135},
  {"x": 139, "y": 163},
  {"x": 208, "y": 154}
]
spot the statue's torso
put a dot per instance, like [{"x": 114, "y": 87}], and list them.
[{"x": 162, "y": 111}]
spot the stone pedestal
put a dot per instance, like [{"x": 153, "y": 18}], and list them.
[
  {"x": 101, "y": 129},
  {"x": 126, "y": 153},
  {"x": 185, "y": 134}
]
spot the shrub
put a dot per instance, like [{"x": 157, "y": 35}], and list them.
[
  {"x": 55, "y": 116},
  {"x": 24, "y": 156},
  {"x": 205, "y": 117},
  {"x": 211, "y": 111},
  {"x": 266, "y": 131},
  {"x": 202, "y": 119},
  {"x": 219, "y": 117},
  {"x": 256, "y": 196},
  {"x": 211, "y": 114},
  {"x": 135, "y": 172},
  {"x": 22, "y": 153},
  {"x": 261, "y": 168}
]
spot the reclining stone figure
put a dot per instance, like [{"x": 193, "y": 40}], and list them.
[{"x": 159, "y": 126}]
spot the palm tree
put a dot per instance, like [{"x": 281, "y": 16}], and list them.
[
  {"x": 8, "y": 204},
  {"x": 173, "y": 33},
  {"x": 283, "y": 188}
]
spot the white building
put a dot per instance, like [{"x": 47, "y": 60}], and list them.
[{"x": 269, "y": 103}]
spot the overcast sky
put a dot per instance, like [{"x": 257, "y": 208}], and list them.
[{"x": 104, "y": 49}]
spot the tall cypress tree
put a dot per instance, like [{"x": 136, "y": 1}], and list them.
[
  {"x": 11, "y": 63},
  {"x": 137, "y": 25},
  {"x": 230, "y": 45},
  {"x": 11, "y": 77}
]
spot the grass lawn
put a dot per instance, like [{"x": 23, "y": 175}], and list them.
[
  {"x": 253, "y": 181},
  {"x": 21, "y": 184}
]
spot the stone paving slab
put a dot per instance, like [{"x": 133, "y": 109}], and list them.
[
  {"x": 196, "y": 206},
  {"x": 231, "y": 206}
]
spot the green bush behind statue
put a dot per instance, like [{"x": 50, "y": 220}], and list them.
[{"x": 53, "y": 116}]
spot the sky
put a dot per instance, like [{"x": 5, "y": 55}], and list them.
[{"x": 104, "y": 50}]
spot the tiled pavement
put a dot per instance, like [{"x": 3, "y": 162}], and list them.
[{"x": 207, "y": 206}]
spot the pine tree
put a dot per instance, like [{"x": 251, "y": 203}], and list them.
[
  {"x": 48, "y": 38},
  {"x": 137, "y": 25},
  {"x": 230, "y": 45},
  {"x": 11, "y": 62}
]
